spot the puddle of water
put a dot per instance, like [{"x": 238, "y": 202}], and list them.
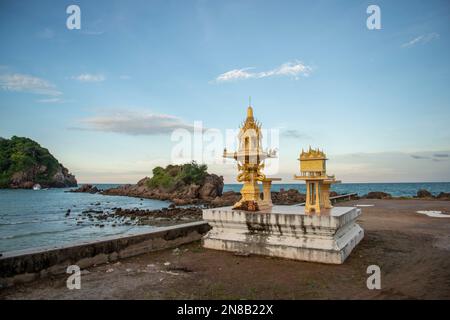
[{"x": 434, "y": 214}]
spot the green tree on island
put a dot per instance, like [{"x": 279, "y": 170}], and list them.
[
  {"x": 24, "y": 160},
  {"x": 176, "y": 175}
]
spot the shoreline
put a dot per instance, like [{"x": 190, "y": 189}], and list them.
[
  {"x": 105, "y": 218},
  {"x": 396, "y": 237}
]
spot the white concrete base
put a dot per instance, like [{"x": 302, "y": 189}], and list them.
[{"x": 285, "y": 231}]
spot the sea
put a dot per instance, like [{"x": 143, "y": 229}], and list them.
[{"x": 37, "y": 218}]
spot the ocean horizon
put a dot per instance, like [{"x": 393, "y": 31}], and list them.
[{"x": 396, "y": 189}]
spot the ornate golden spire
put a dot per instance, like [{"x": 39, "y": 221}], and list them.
[
  {"x": 249, "y": 112},
  {"x": 250, "y": 159}
]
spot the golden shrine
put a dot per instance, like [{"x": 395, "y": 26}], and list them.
[
  {"x": 250, "y": 160},
  {"x": 313, "y": 171},
  {"x": 255, "y": 226}
]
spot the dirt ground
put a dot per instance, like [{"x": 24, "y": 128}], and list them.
[{"x": 412, "y": 250}]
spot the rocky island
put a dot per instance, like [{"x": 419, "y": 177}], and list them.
[
  {"x": 24, "y": 163},
  {"x": 182, "y": 184}
]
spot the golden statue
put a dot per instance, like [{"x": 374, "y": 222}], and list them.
[
  {"x": 250, "y": 160},
  {"x": 313, "y": 171}
]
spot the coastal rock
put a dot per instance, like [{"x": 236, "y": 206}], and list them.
[
  {"x": 377, "y": 195},
  {"x": 193, "y": 191},
  {"x": 443, "y": 196},
  {"x": 212, "y": 187},
  {"x": 289, "y": 197},
  {"x": 282, "y": 197},
  {"x": 422, "y": 193},
  {"x": 62, "y": 179},
  {"x": 182, "y": 194},
  {"x": 227, "y": 199},
  {"x": 162, "y": 217},
  {"x": 86, "y": 188}
]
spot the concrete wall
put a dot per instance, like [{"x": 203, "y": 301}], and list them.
[{"x": 28, "y": 265}]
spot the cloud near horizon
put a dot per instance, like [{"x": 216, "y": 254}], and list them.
[
  {"x": 441, "y": 155},
  {"x": 293, "y": 69},
  {"x": 88, "y": 77},
  {"x": 434, "y": 157},
  {"x": 134, "y": 123},
  {"x": 50, "y": 100},
  {"x": 295, "y": 134},
  {"x": 27, "y": 83},
  {"x": 422, "y": 39}
]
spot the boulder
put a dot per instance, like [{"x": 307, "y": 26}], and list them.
[
  {"x": 377, "y": 195},
  {"x": 444, "y": 196},
  {"x": 228, "y": 198},
  {"x": 289, "y": 197},
  {"x": 422, "y": 193},
  {"x": 86, "y": 188},
  {"x": 212, "y": 187}
]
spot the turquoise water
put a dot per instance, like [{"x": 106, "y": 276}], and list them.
[{"x": 38, "y": 218}]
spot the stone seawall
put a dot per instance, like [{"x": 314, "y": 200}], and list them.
[{"x": 27, "y": 265}]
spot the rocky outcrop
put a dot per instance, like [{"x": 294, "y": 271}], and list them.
[
  {"x": 282, "y": 197},
  {"x": 212, "y": 187},
  {"x": 162, "y": 217},
  {"x": 26, "y": 179},
  {"x": 86, "y": 188},
  {"x": 205, "y": 192},
  {"x": 443, "y": 196},
  {"x": 422, "y": 193},
  {"x": 228, "y": 198},
  {"x": 24, "y": 163},
  {"x": 377, "y": 195},
  {"x": 287, "y": 197}
]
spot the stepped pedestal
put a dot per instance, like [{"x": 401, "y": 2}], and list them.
[{"x": 286, "y": 232}]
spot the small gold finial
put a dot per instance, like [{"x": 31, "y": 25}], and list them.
[{"x": 249, "y": 112}]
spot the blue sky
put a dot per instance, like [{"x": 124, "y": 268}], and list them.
[{"x": 105, "y": 98}]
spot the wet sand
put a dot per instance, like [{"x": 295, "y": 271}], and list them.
[{"x": 412, "y": 250}]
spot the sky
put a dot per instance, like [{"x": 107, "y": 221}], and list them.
[{"x": 112, "y": 99}]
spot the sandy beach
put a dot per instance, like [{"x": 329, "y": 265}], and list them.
[{"x": 412, "y": 250}]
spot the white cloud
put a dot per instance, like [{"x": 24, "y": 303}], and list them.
[
  {"x": 293, "y": 69},
  {"x": 134, "y": 123},
  {"x": 51, "y": 100},
  {"x": 27, "y": 83},
  {"x": 88, "y": 77},
  {"x": 235, "y": 75},
  {"x": 421, "y": 40}
]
